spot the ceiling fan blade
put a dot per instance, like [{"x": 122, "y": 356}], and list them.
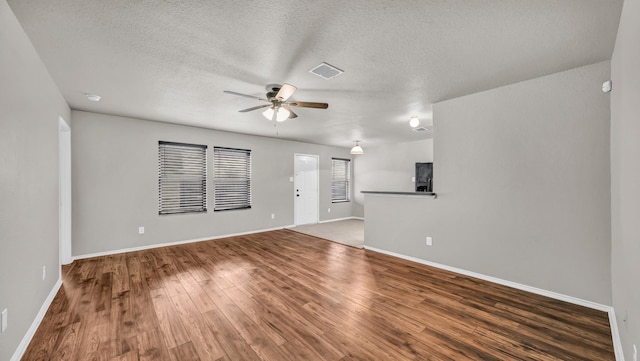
[
  {"x": 254, "y": 108},
  {"x": 291, "y": 113},
  {"x": 309, "y": 105},
  {"x": 244, "y": 95},
  {"x": 285, "y": 92}
]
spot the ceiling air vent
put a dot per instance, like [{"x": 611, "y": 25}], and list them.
[
  {"x": 420, "y": 129},
  {"x": 326, "y": 71}
]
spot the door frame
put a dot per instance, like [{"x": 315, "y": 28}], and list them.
[
  {"x": 295, "y": 210},
  {"x": 64, "y": 192}
]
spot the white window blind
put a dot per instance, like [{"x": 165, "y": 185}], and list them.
[
  {"x": 182, "y": 170},
  {"x": 340, "y": 180},
  {"x": 232, "y": 178}
]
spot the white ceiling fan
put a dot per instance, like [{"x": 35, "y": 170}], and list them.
[{"x": 278, "y": 104}]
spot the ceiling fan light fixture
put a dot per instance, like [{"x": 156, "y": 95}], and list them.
[
  {"x": 357, "y": 149},
  {"x": 414, "y": 122},
  {"x": 282, "y": 114},
  {"x": 279, "y": 114},
  {"x": 268, "y": 113}
]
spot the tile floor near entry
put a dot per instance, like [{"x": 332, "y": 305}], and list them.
[{"x": 349, "y": 231}]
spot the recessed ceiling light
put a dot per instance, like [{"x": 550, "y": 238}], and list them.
[{"x": 93, "y": 97}]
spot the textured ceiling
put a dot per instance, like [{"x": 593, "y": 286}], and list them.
[{"x": 170, "y": 60}]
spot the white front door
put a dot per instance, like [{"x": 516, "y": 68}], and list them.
[{"x": 305, "y": 188}]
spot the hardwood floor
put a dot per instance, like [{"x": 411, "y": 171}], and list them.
[{"x": 283, "y": 295}]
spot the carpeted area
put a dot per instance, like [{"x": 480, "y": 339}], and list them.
[{"x": 349, "y": 231}]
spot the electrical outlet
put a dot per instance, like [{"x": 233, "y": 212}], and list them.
[
  {"x": 44, "y": 272},
  {"x": 328, "y": 210},
  {"x": 140, "y": 230},
  {"x": 273, "y": 216},
  {"x": 5, "y": 314},
  {"x": 429, "y": 241},
  {"x": 413, "y": 179}
]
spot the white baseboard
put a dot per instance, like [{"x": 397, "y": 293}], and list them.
[
  {"x": 158, "y": 245},
  {"x": 617, "y": 344},
  {"x": 22, "y": 347},
  {"x": 340, "y": 219},
  {"x": 511, "y": 284},
  {"x": 615, "y": 335}
]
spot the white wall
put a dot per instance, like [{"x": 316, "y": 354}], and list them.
[
  {"x": 625, "y": 176},
  {"x": 522, "y": 176},
  {"x": 30, "y": 105},
  {"x": 388, "y": 167},
  {"x": 115, "y": 180}
]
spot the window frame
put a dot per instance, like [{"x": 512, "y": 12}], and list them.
[
  {"x": 346, "y": 180},
  {"x": 169, "y": 176},
  {"x": 218, "y": 181}
]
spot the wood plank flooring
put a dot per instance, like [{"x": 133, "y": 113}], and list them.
[{"x": 283, "y": 295}]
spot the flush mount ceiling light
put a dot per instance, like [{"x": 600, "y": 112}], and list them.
[
  {"x": 414, "y": 122},
  {"x": 357, "y": 149},
  {"x": 93, "y": 97},
  {"x": 278, "y": 114}
]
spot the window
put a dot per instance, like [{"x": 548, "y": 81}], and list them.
[
  {"x": 340, "y": 179},
  {"x": 182, "y": 173},
  {"x": 232, "y": 178}
]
